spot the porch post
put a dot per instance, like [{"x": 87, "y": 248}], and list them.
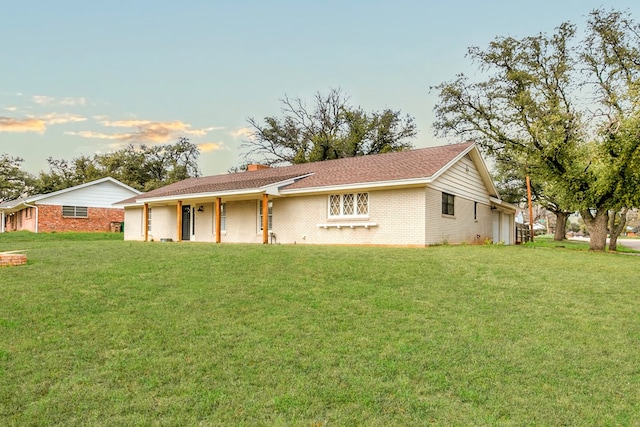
[
  {"x": 265, "y": 218},
  {"x": 145, "y": 221},
  {"x": 179, "y": 221},
  {"x": 2, "y": 223},
  {"x": 218, "y": 219}
]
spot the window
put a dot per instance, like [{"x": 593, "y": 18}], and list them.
[
  {"x": 270, "y": 215},
  {"x": 447, "y": 204},
  {"x": 475, "y": 211},
  {"x": 349, "y": 205},
  {"x": 149, "y": 219},
  {"x": 74, "y": 211},
  {"x": 223, "y": 216}
]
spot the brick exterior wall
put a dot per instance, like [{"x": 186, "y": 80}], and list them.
[{"x": 99, "y": 219}]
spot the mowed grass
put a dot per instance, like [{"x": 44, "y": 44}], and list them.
[{"x": 98, "y": 331}]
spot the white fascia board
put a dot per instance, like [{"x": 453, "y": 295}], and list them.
[
  {"x": 274, "y": 189},
  {"x": 78, "y": 187},
  {"x": 501, "y": 203},
  {"x": 452, "y": 162},
  {"x": 484, "y": 172},
  {"x": 193, "y": 196},
  {"x": 476, "y": 157},
  {"x": 416, "y": 182},
  {"x": 15, "y": 208}
]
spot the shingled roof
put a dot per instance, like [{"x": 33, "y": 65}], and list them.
[{"x": 400, "y": 166}]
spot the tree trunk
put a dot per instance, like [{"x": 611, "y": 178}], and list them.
[
  {"x": 561, "y": 226},
  {"x": 616, "y": 228},
  {"x": 597, "y": 226}
]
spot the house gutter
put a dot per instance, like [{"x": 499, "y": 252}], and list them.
[
  {"x": 502, "y": 205},
  {"x": 33, "y": 206}
]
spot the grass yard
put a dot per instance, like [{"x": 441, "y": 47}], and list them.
[{"x": 96, "y": 331}]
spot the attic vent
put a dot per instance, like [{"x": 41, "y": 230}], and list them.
[
  {"x": 74, "y": 211},
  {"x": 255, "y": 167}
]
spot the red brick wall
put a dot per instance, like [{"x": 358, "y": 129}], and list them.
[
  {"x": 99, "y": 219},
  {"x": 12, "y": 259}
]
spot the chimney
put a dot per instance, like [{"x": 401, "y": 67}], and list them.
[{"x": 255, "y": 167}]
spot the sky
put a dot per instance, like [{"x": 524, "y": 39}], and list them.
[{"x": 82, "y": 77}]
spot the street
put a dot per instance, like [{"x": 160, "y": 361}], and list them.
[{"x": 629, "y": 243}]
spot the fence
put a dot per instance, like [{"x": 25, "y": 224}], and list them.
[{"x": 523, "y": 234}]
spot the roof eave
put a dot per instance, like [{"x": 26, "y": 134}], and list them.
[
  {"x": 506, "y": 206},
  {"x": 193, "y": 196},
  {"x": 416, "y": 182}
]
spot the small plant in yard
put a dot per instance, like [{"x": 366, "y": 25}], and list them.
[{"x": 98, "y": 331}]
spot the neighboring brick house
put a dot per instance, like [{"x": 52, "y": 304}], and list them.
[
  {"x": 414, "y": 198},
  {"x": 85, "y": 207}
]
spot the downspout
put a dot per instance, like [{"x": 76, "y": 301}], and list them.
[{"x": 34, "y": 206}]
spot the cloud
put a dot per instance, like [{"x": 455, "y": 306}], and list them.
[
  {"x": 207, "y": 147},
  {"x": 30, "y": 124},
  {"x": 42, "y": 99},
  {"x": 242, "y": 133},
  {"x": 145, "y": 131},
  {"x": 66, "y": 101},
  {"x": 11, "y": 108},
  {"x": 70, "y": 101},
  {"x": 97, "y": 135},
  {"x": 61, "y": 118}
]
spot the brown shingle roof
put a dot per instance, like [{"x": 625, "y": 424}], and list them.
[{"x": 403, "y": 165}]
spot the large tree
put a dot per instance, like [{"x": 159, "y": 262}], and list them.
[
  {"x": 564, "y": 108},
  {"x": 144, "y": 168},
  {"x": 331, "y": 128},
  {"x": 14, "y": 182}
]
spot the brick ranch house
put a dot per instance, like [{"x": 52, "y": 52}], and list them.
[
  {"x": 85, "y": 207},
  {"x": 410, "y": 198}
]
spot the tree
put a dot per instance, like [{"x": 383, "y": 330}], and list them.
[
  {"x": 14, "y": 182},
  {"x": 510, "y": 178},
  {"x": 331, "y": 129},
  {"x": 144, "y": 168},
  {"x": 565, "y": 109}
]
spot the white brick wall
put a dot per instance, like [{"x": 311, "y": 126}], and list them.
[
  {"x": 399, "y": 216},
  {"x": 461, "y": 227}
]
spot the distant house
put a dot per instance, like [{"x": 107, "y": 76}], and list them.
[
  {"x": 85, "y": 207},
  {"x": 416, "y": 198}
]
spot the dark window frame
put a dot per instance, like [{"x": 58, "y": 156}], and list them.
[{"x": 448, "y": 204}]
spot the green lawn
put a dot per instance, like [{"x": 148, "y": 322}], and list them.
[{"x": 96, "y": 331}]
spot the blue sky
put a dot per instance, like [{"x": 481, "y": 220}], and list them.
[{"x": 84, "y": 77}]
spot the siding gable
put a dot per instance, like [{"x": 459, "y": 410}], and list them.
[
  {"x": 463, "y": 179},
  {"x": 100, "y": 195}
]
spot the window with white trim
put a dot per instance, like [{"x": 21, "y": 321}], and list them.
[
  {"x": 149, "y": 219},
  {"x": 269, "y": 215},
  {"x": 75, "y": 212},
  {"x": 349, "y": 205}
]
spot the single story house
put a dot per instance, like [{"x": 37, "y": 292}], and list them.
[
  {"x": 85, "y": 207},
  {"x": 411, "y": 198}
]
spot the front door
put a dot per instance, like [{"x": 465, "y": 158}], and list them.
[{"x": 186, "y": 222}]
